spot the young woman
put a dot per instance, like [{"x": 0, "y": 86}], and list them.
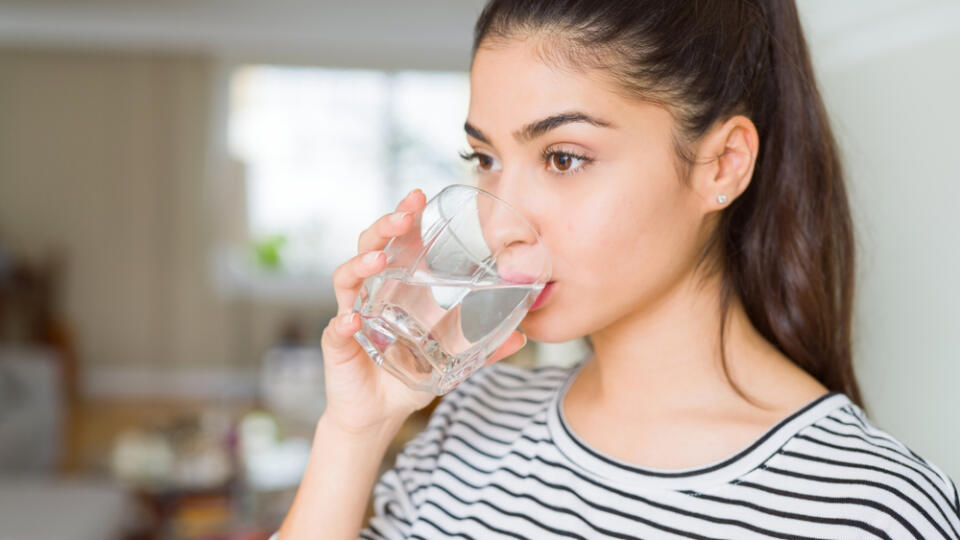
[{"x": 677, "y": 161}]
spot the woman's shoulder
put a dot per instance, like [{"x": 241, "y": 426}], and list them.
[
  {"x": 849, "y": 428},
  {"x": 496, "y": 403},
  {"x": 847, "y": 450}
]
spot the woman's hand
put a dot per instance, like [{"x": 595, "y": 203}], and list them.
[{"x": 361, "y": 396}]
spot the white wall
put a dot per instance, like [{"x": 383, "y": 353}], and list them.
[{"x": 102, "y": 158}]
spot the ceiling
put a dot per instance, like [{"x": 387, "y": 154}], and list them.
[
  {"x": 410, "y": 33},
  {"x": 429, "y": 34}
]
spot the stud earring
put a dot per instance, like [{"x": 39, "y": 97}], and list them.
[{"x": 721, "y": 198}]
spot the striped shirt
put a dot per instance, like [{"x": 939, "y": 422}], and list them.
[{"x": 498, "y": 460}]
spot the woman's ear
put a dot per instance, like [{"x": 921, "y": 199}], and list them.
[{"x": 725, "y": 160}]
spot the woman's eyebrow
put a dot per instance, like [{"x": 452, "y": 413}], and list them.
[{"x": 539, "y": 127}]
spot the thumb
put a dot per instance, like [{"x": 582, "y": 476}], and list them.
[
  {"x": 337, "y": 339},
  {"x": 514, "y": 343}
]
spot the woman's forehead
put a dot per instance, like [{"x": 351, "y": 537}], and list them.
[
  {"x": 511, "y": 87},
  {"x": 512, "y": 82}
]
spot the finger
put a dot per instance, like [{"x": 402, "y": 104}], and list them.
[
  {"x": 377, "y": 235},
  {"x": 348, "y": 277},
  {"x": 337, "y": 338},
  {"x": 514, "y": 343}
]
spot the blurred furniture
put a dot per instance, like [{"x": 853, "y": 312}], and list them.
[
  {"x": 35, "y": 503},
  {"x": 35, "y": 507},
  {"x": 31, "y": 409},
  {"x": 29, "y": 310},
  {"x": 38, "y": 382}
]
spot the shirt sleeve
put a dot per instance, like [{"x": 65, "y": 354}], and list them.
[{"x": 400, "y": 490}]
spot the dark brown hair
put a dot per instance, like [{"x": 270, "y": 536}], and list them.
[{"x": 785, "y": 246}]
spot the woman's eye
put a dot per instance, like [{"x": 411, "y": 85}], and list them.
[
  {"x": 560, "y": 162},
  {"x": 485, "y": 163},
  {"x": 563, "y": 162}
]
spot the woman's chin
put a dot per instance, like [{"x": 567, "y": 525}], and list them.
[{"x": 540, "y": 326}]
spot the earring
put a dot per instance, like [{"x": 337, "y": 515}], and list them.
[{"x": 721, "y": 198}]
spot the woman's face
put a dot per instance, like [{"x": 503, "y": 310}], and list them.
[{"x": 599, "y": 184}]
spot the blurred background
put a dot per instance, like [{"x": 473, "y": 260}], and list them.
[{"x": 179, "y": 178}]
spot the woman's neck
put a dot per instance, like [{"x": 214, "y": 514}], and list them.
[
  {"x": 655, "y": 388},
  {"x": 667, "y": 357}
]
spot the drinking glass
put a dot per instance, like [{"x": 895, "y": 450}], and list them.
[{"x": 455, "y": 287}]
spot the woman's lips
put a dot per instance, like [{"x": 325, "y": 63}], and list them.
[
  {"x": 545, "y": 293},
  {"x": 513, "y": 277},
  {"x": 543, "y": 296}
]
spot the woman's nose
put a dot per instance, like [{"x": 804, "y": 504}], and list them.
[{"x": 511, "y": 237}]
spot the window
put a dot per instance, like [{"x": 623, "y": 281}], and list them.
[{"x": 327, "y": 151}]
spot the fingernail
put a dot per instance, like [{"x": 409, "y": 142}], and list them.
[
  {"x": 371, "y": 257},
  {"x": 524, "y": 340},
  {"x": 397, "y": 216},
  {"x": 347, "y": 319}
]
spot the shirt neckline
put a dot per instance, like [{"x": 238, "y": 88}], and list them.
[{"x": 611, "y": 470}]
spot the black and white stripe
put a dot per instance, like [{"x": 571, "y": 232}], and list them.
[{"x": 497, "y": 460}]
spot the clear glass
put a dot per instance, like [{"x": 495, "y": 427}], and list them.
[{"x": 456, "y": 285}]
